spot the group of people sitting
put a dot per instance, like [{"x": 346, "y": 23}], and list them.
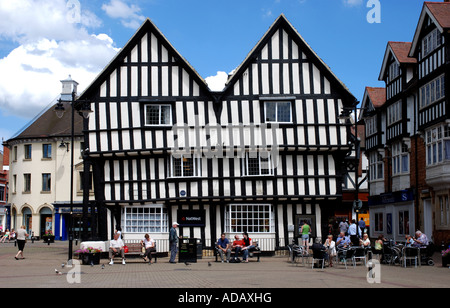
[
  {"x": 244, "y": 246},
  {"x": 116, "y": 247}
]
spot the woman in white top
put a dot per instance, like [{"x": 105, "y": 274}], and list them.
[
  {"x": 330, "y": 245},
  {"x": 150, "y": 246},
  {"x": 21, "y": 236}
]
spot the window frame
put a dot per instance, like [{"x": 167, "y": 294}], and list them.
[
  {"x": 46, "y": 150},
  {"x": 46, "y": 187},
  {"x": 245, "y": 167},
  {"x": 159, "y": 116},
  {"x": 238, "y": 217},
  {"x": 276, "y": 102},
  {"x": 196, "y": 165},
  {"x": 134, "y": 218}
]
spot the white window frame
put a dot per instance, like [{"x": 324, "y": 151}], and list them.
[
  {"x": 276, "y": 111},
  {"x": 432, "y": 92},
  {"x": 371, "y": 126},
  {"x": 375, "y": 165},
  {"x": 261, "y": 164},
  {"x": 394, "y": 112},
  {"x": 437, "y": 140},
  {"x": 251, "y": 218},
  {"x": 140, "y": 219},
  {"x": 430, "y": 42},
  {"x": 400, "y": 153},
  {"x": 443, "y": 211},
  {"x": 196, "y": 161},
  {"x": 160, "y": 122}
]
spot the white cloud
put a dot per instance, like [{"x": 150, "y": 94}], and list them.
[
  {"x": 50, "y": 48},
  {"x": 128, "y": 14},
  {"x": 217, "y": 82},
  {"x": 353, "y": 2}
]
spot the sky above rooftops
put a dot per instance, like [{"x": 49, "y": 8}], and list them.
[{"x": 42, "y": 42}]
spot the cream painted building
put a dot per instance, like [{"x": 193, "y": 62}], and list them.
[{"x": 40, "y": 164}]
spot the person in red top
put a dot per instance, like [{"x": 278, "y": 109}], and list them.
[{"x": 238, "y": 244}]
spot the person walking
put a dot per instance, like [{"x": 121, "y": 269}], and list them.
[
  {"x": 21, "y": 237},
  {"x": 173, "y": 239}
]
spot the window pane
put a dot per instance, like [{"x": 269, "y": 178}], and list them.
[
  {"x": 152, "y": 115},
  {"x": 284, "y": 112},
  {"x": 188, "y": 166},
  {"x": 177, "y": 167},
  {"x": 271, "y": 112},
  {"x": 165, "y": 115}
]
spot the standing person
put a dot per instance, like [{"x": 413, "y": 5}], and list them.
[
  {"x": 223, "y": 246},
  {"x": 150, "y": 246},
  {"x": 173, "y": 239},
  {"x": 362, "y": 226},
  {"x": 330, "y": 245},
  {"x": 21, "y": 237},
  {"x": 304, "y": 231},
  {"x": 343, "y": 227},
  {"x": 353, "y": 232}
]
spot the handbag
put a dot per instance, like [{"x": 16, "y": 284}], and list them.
[{"x": 125, "y": 249}]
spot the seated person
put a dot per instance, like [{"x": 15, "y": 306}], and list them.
[
  {"x": 319, "y": 250},
  {"x": 343, "y": 241},
  {"x": 150, "y": 246},
  {"x": 116, "y": 247},
  {"x": 248, "y": 245},
  {"x": 223, "y": 246},
  {"x": 238, "y": 244},
  {"x": 365, "y": 242},
  {"x": 421, "y": 240},
  {"x": 409, "y": 242}
]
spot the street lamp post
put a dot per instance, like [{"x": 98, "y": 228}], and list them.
[{"x": 84, "y": 111}]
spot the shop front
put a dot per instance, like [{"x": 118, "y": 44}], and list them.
[{"x": 392, "y": 215}]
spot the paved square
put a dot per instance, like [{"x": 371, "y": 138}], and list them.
[{"x": 41, "y": 260}]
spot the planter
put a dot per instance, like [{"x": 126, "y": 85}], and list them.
[
  {"x": 49, "y": 239},
  {"x": 446, "y": 261},
  {"x": 90, "y": 258}
]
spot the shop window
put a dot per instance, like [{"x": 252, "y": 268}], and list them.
[
  {"x": 145, "y": 219},
  {"x": 251, "y": 218}
]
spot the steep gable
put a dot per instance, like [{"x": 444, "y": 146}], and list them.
[{"x": 295, "y": 68}]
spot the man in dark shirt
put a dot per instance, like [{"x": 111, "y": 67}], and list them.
[{"x": 223, "y": 246}]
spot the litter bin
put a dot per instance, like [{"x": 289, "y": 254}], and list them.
[{"x": 187, "y": 251}]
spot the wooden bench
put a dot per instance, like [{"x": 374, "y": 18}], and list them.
[
  {"x": 255, "y": 252},
  {"x": 135, "y": 249}
]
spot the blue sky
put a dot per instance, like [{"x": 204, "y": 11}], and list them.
[{"x": 42, "y": 42}]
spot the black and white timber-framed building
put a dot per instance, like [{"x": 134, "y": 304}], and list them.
[{"x": 260, "y": 156}]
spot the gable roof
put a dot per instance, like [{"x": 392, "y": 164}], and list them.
[
  {"x": 439, "y": 12},
  {"x": 48, "y": 125},
  {"x": 282, "y": 22},
  {"x": 376, "y": 96},
  {"x": 400, "y": 52},
  {"x": 147, "y": 26}
]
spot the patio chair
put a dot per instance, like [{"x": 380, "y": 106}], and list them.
[
  {"x": 344, "y": 254},
  {"x": 411, "y": 253},
  {"x": 318, "y": 255},
  {"x": 359, "y": 254}
]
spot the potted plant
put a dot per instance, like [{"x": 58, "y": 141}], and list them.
[
  {"x": 89, "y": 256},
  {"x": 48, "y": 237},
  {"x": 446, "y": 257}
]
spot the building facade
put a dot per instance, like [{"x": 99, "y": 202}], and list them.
[
  {"x": 40, "y": 164},
  {"x": 407, "y": 131},
  {"x": 262, "y": 156}
]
